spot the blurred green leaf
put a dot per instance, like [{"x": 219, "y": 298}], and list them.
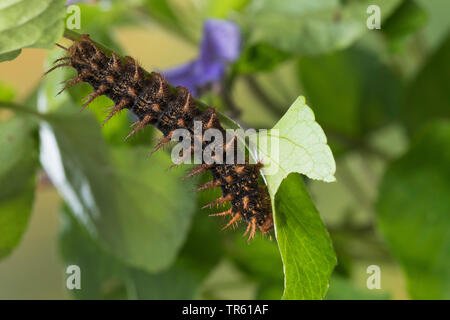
[
  {"x": 259, "y": 57},
  {"x": 342, "y": 289},
  {"x": 270, "y": 291},
  {"x": 37, "y": 24},
  {"x": 101, "y": 271},
  {"x": 10, "y": 55},
  {"x": 310, "y": 27},
  {"x": 7, "y": 92},
  {"x": 438, "y": 26},
  {"x": 164, "y": 13},
  {"x": 407, "y": 19},
  {"x": 428, "y": 95},
  {"x": 101, "y": 21},
  {"x": 183, "y": 279},
  {"x": 352, "y": 91},
  {"x": 304, "y": 242},
  {"x": 176, "y": 283},
  {"x": 260, "y": 260},
  {"x": 18, "y": 168},
  {"x": 124, "y": 201},
  {"x": 413, "y": 212},
  {"x": 104, "y": 276},
  {"x": 222, "y": 8}
]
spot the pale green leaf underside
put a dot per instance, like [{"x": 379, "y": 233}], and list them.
[{"x": 302, "y": 148}]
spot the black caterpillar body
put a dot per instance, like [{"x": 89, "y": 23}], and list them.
[{"x": 152, "y": 100}]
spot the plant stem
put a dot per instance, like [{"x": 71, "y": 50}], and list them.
[{"x": 20, "y": 108}]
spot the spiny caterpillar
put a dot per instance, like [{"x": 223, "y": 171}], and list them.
[{"x": 152, "y": 100}]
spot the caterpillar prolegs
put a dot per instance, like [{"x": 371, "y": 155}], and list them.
[{"x": 152, "y": 100}]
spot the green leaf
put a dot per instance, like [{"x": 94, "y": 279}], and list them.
[
  {"x": 342, "y": 289},
  {"x": 176, "y": 283},
  {"x": 304, "y": 242},
  {"x": 18, "y": 167},
  {"x": 428, "y": 95},
  {"x": 413, "y": 212},
  {"x": 260, "y": 261},
  {"x": 123, "y": 198},
  {"x": 101, "y": 21},
  {"x": 269, "y": 291},
  {"x": 104, "y": 275},
  {"x": 407, "y": 19},
  {"x": 259, "y": 57},
  {"x": 101, "y": 272},
  {"x": 7, "y": 93},
  {"x": 222, "y": 8},
  {"x": 302, "y": 148},
  {"x": 365, "y": 97},
  {"x": 164, "y": 12},
  {"x": 7, "y": 56},
  {"x": 310, "y": 27},
  {"x": 37, "y": 24},
  {"x": 194, "y": 263},
  {"x": 438, "y": 26}
]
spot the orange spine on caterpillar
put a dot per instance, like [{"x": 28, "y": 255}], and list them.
[{"x": 150, "y": 98}]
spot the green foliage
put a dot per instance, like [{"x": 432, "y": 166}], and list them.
[
  {"x": 428, "y": 95},
  {"x": 413, "y": 211},
  {"x": 37, "y": 24},
  {"x": 222, "y": 8},
  {"x": 352, "y": 92},
  {"x": 112, "y": 191},
  {"x": 260, "y": 57},
  {"x": 136, "y": 229},
  {"x": 102, "y": 272},
  {"x": 405, "y": 21},
  {"x": 304, "y": 242},
  {"x": 10, "y": 55},
  {"x": 342, "y": 289},
  {"x": 302, "y": 144},
  {"x": 104, "y": 276},
  {"x": 18, "y": 167},
  {"x": 438, "y": 26},
  {"x": 306, "y": 27}
]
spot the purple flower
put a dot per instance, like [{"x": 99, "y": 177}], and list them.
[{"x": 220, "y": 46}]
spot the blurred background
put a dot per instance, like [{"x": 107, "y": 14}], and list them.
[{"x": 373, "y": 91}]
